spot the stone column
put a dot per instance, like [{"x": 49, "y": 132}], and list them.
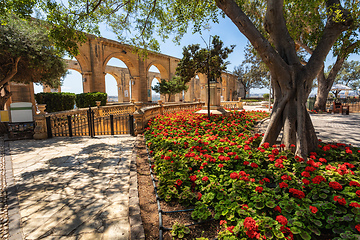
[
  {"x": 161, "y": 107},
  {"x": 86, "y": 79},
  {"x": 138, "y": 116}
]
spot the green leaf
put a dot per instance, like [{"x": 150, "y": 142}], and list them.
[
  {"x": 270, "y": 204},
  {"x": 305, "y": 235},
  {"x": 314, "y": 230},
  {"x": 298, "y": 224},
  {"x": 295, "y": 230}
]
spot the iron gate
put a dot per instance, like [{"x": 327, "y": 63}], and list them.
[{"x": 89, "y": 125}]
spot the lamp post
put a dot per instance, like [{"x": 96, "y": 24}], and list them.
[{"x": 208, "y": 72}]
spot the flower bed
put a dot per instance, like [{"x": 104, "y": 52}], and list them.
[{"x": 255, "y": 192}]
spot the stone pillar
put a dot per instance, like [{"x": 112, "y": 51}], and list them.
[
  {"x": 138, "y": 116},
  {"x": 161, "y": 107},
  {"x": 40, "y": 131},
  {"x": 86, "y": 79}
]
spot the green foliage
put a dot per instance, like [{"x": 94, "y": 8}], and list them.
[
  {"x": 179, "y": 230},
  {"x": 349, "y": 75},
  {"x": 171, "y": 87},
  {"x": 266, "y": 95},
  {"x": 209, "y": 61},
  {"x": 84, "y": 100},
  {"x": 28, "y": 41},
  {"x": 56, "y": 102}
]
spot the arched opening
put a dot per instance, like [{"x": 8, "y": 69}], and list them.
[
  {"x": 154, "y": 95},
  {"x": 111, "y": 88},
  {"x": 118, "y": 81},
  {"x": 154, "y": 77},
  {"x": 72, "y": 82}
]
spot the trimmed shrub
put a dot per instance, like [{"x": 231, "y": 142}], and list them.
[
  {"x": 266, "y": 95},
  {"x": 56, "y": 102},
  {"x": 84, "y": 100}
]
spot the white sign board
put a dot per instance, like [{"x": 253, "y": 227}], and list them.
[{"x": 21, "y": 112}]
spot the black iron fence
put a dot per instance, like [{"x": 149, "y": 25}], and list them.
[
  {"x": 353, "y": 103},
  {"x": 89, "y": 124}
]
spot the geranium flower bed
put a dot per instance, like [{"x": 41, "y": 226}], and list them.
[{"x": 255, "y": 192}]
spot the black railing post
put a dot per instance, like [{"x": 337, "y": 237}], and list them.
[
  {"x": 131, "y": 124},
  {"x": 93, "y": 123},
  {"x": 48, "y": 127},
  {"x": 90, "y": 121},
  {"x": 112, "y": 124},
  {"x": 69, "y": 125}
]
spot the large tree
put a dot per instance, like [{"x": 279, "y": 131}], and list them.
[
  {"x": 27, "y": 55},
  {"x": 349, "y": 74},
  {"x": 291, "y": 78},
  {"x": 252, "y": 73}
]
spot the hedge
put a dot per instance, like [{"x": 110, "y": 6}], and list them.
[
  {"x": 56, "y": 102},
  {"x": 89, "y": 99}
]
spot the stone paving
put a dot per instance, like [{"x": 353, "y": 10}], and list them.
[{"x": 73, "y": 188}]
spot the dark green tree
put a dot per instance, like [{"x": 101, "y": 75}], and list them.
[
  {"x": 349, "y": 74},
  {"x": 171, "y": 87},
  {"x": 27, "y": 55},
  {"x": 209, "y": 61}
]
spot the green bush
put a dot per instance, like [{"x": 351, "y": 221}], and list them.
[
  {"x": 266, "y": 96},
  {"x": 56, "y": 102},
  {"x": 84, "y": 100}
]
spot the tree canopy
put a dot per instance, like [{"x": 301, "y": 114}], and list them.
[
  {"x": 27, "y": 55},
  {"x": 349, "y": 74},
  {"x": 171, "y": 87}
]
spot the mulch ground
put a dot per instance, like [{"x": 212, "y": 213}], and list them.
[{"x": 149, "y": 208}]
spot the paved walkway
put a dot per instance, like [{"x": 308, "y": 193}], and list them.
[{"x": 73, "y": 188}]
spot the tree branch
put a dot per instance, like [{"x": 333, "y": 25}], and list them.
[
  {"x": 275, "y": 25},
  {"x": 12, "y": 72},
  {"x": 331, "y": 32},
  {"x": 267, "y": 53},
  {"x": 148, "y": 16}
]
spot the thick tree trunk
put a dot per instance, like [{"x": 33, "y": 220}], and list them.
[{"x": 325, "y": 84}]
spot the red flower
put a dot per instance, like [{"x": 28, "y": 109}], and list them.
[
  {"x": 358, "y": 227},
  {"x": 266, "y": 145},
  {"x": 309, "y": 169},
  {"x": 285, "y": 177},
  {"x": 283, "y": 185},
  {"x": 167, "y": 158},
  {"x": 254, "y": 165},
  {"x": 221, "y": 165},
  {"x": 358, "y": 193},
  {"x": 178, "y": 182},
  {"x": 318, "y": 179},
  {"x": 305, "y": 181},
  {"x": 250, "y": 224},
  {"x": 259, "y": 189},
  {"x": 340, "y": 200},
  {"x": 193, "y": 178},
  {"x": 205, "y": 178},
  {"x": 223, "y": 222},
  {"x": 313, "y": 209},
  {"x": 234, "y": 175},
  {"x": 282, "y": 220},
  {"x": 277, "y": 208},
  {"x": 305, "y": 174},
  {"x": 199, "y": 195},
  {"x": 335, "y": 185},
  {"x": 230, "y": 229},
  {"x": 353, "y": 183},
  {"x": 354, "y": 204},
  {"x": 297, "y": 193},
  {"x": 266, "y": 180},
  {"x": 246, "y": 163}
]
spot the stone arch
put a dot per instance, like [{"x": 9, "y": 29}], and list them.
[
  {"x": 133, "y": 70},
  {"x": 163, "y": 72}
]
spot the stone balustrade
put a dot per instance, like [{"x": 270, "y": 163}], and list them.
[{"x": 238, "y": 105}]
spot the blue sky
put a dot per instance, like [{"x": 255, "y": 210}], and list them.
[{"x": 227, "y": 31}]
